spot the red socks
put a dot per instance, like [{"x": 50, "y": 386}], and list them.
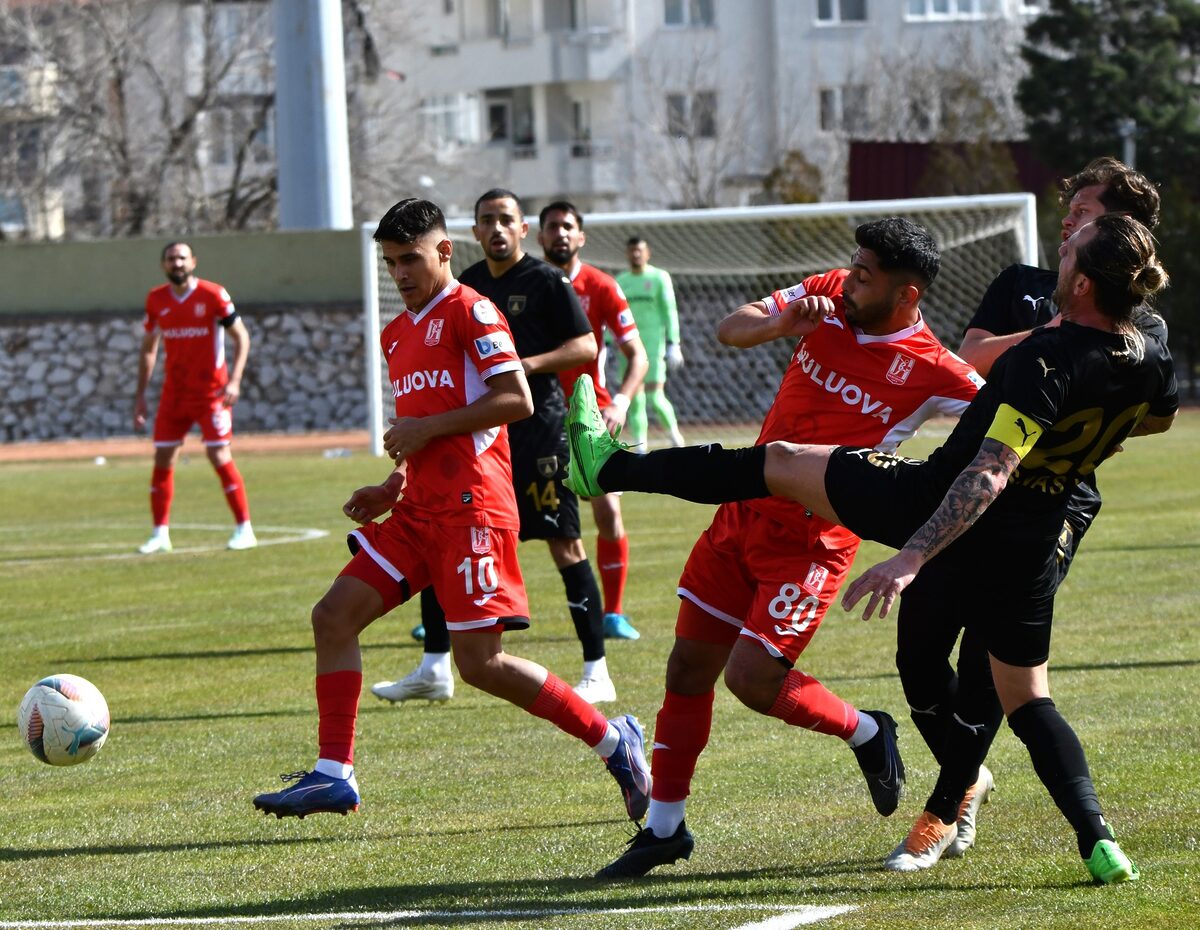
[
  {"x": 162, "y": 491},
  {"x": 805, "y": 702},
  {"x": 337, "y": 710},
  {"x": 235, "y": 491},
  {"x": 569, "y": 712},
  {"x": 612, "y": 555},
  {"x": 680, "y": 735}
]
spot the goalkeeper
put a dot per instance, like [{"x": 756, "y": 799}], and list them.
[{"x": 651, "y": 297}]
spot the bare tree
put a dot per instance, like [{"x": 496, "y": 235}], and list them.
[
  {"x": 691, "y": 140},
  {"x": 390, "y": 153},
  {"x": 136, "y": 88}
]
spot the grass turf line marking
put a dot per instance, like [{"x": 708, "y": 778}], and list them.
[
  {"x": 293, "y": 534},
  {"x": 792, "y": 916}
]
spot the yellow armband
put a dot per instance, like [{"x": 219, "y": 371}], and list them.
[{"x": 1015, "y": 429}]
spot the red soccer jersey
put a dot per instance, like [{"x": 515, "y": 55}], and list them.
[
  {"x": 844, "y": 387},
  {"x": 193, "y": 339},
  {"x": 440, "y": 359},
  {"x": 606, "y": 307}
]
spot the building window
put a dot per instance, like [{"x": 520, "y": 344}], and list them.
[
  {"x": 951, "y": 9},
  {"x": 843, "y": 109},
  {"x": 237, "y": 125},
  {"x": 689, "y": 12},
  {"x": 693, "y": 116},
  {"x": 1033, "y": 7},
  {"x": 451, "y": 119},
  {"x": 841, "y": 11}
]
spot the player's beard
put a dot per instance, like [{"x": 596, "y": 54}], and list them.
[
  {"x": 561, "y": 255},
  {"x": 178, "y": 277},
  {"x": 864, "y": 316}
]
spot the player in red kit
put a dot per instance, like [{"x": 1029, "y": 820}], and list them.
[
  {"x": 759, "y": 581},
  {"x": 191, "y": 316},
  {"x": 450, "y": 523},
  {"x": 561, "y": 235}
]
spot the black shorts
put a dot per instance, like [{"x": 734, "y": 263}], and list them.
[
  {"x": 548, "y": 508},
  {"x": 1001, "y": 574}
]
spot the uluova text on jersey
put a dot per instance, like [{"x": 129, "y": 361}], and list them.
[
  {"x": 851, "y": 394},
  {"x": 420, "y": 380}
]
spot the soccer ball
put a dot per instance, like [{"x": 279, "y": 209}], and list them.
[{"x": 63, "y": 719}]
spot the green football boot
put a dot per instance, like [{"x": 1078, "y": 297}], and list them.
[
  {"x": 587, "y": 436},
  {"x": 1109, "y": 865}
]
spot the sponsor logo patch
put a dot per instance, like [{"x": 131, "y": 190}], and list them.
[
  {"x": 493, "y": 344},
  {"x": 625, "y": 317}
]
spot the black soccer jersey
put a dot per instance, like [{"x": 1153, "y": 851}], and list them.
[
  {"x": 1019, "y": 298},
  {"x": 543, "y": 312},
  {"x": 1083, "y": 389}
]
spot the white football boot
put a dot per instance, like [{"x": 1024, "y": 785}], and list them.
[
  {"x": 159, "y": 541},
  {"x": 418, "y": 684},
  {"x": 596, "y": 690},
  {"x": 243, "y": 537}
]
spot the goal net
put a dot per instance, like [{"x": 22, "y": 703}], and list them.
[{"x": 720, "y": 259}]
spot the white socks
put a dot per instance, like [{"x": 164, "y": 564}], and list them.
[
  {"x": 867, "y": 728},
  {"x": 664, "y": 817},
  {"x": 334, "y": 769},
  {"x": 597, "y": 668},
  {"x": 435, "y": 664}
]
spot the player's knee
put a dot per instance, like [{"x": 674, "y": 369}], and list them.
[
  {"x": 330, "y": 625},
  {"x": 750, "y": 688}
]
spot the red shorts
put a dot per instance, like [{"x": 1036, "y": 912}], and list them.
[
  {"x": 769, "y": 581},
  {"x": 473, "y": 569},
  {"x": 175, "y": 418}
]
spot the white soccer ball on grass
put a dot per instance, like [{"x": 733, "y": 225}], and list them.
[{"x": 63, "y": 719}]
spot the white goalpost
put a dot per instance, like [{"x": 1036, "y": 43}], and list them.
[{"x": 722, "y": 258}]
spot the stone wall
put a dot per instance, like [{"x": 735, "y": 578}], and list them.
[{"x": 73, "y": 375}]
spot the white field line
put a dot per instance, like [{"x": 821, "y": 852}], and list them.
[
  {"x": 789, "y": 917},
  {"x": 288, "y": 534}
]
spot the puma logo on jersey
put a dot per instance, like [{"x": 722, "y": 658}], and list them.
[
  {"x": 851, "y": 394},
  {"x": 552, "y": 518},
  {"x": 1033, "y": 300},
  {"x": 1025, "y": 433},
  {"x": 1046, "y": 369},
  {"x": 420, "y": 380},
  {"x": 582, "y": 605}
]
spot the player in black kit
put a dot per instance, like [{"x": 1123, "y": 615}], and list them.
[
  {"x": 552, "y": 334},
  {"x": 1057, "y": 405},
  {"x": 931, "y": 615}
]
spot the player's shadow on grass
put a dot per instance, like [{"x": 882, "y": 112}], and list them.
[
  {"x": 455, "y": 903},
  {"x": 9, "y": 854},
  {"x": 306, "y": 649}
]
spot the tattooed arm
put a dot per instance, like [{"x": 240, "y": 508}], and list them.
[{"x": 969, "y": 496}]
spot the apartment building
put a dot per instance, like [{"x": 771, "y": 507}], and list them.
[{"x": 626, "y": 104}]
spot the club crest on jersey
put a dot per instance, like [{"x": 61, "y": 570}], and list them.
[
  {"x": 433, "y": 335},
  {"x": 200, "y": 308},
  {"x": 585, "y": 301},
  {"x": 493, "y": 344},
  {"x": 516, "y": 304},
  {"x": 902, "y": 367},
  {"x": 814, "y": 581},
  {"x": 481, "y": 540},
  {"x": 548, "y": 467},
  {"x": 485, "y": 312}
]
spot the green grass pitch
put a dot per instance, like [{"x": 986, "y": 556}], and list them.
[{"x": 476, "y": 814}]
